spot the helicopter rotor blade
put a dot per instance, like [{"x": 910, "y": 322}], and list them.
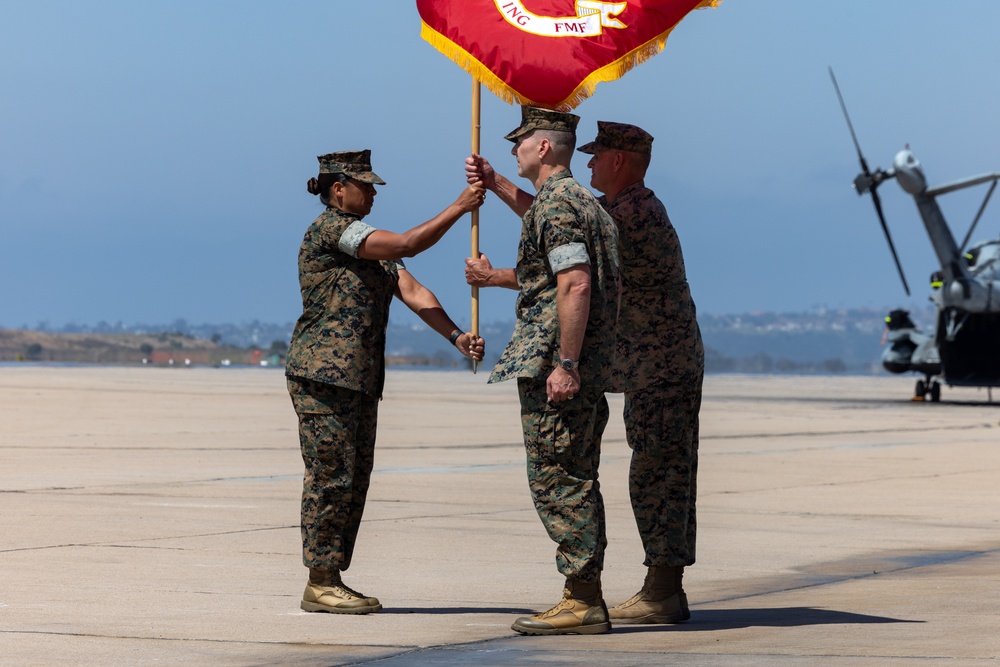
[
  {"x": 850, "y": 126},
  {"x": 888, "y": 237},
  {"x": 867, "y": 182}
]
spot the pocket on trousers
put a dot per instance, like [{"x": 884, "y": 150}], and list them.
[
  {"x": 540, "y": 436},
  {"x": 636, "y": 416}
]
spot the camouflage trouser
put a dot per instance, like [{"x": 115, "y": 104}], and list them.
[
  {"x": 563, "y": 446},
  {"x": 661, "y": 424},
  {"x": 337, "y": 437}
]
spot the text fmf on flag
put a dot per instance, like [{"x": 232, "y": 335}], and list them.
[{"x": 550, "y": 53}]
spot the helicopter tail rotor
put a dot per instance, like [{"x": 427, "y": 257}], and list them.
[{"x": 868, "y": 181}]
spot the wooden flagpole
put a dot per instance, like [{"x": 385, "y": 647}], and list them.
[{"x": 475, "y": 214}]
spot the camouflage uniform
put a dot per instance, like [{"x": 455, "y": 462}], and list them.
[
  {"x": 336, "y": 371},
  {"x": 564, "y": 227},
  {"x": 659, "y": 363}
]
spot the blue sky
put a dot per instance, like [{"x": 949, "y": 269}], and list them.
[{"x": 153, "y": 156}]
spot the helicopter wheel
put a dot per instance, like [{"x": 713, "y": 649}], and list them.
[
  {"x": 935, "y": 392},
  {"x": 920, "y": 391}
]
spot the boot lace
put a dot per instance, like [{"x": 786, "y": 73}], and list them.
[
  {"x": 350, "y": 591},
  {"x": 564, "y": 605}
]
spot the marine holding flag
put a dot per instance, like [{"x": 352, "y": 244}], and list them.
[
  {"x": 659, "y": 361},
  {"x": 349, "y": 272},
  {"x": 561, "y": 355},
  {"x": 552, "y": 54}
]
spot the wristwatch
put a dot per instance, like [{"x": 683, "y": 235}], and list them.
[{"x": 568, "y": 364}]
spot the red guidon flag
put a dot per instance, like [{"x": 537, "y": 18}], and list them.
[{"x": 550, "y": 53}]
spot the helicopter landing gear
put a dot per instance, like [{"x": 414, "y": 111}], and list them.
[{"x": 927, "y": 390}]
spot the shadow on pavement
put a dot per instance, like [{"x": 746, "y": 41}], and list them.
[
  {"x": 457, "y": 610},
  {"x": 775, "y": 617}
]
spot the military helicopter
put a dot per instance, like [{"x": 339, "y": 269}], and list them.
[{"x": 964, "y": 349}]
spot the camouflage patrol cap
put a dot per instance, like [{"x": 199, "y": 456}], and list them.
[
  {"x": 356, "y": 164},
  {"x": 621, "y": 137},
  {"x": 534, "y": 118}
]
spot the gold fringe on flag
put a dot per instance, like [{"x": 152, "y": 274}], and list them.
[
  {"x": 498, "y": 87},
  {"x": 466, "y": 61}
]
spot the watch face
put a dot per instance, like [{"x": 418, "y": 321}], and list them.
[{"x": 568, "y": 364}]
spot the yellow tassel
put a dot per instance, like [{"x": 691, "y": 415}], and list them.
[
  {"x": 478, "y": 70},
  {"x": 496, "y": 85},
  {"x": 620, "y": 67}
]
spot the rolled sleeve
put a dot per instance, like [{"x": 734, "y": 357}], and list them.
[
  {"x": 568, "y": 256},
  {"x": 354, "y": 236}
]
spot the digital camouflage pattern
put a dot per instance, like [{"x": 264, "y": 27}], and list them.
[
  {"x": 563, "y": 441},
  {"x": 657, "y": 339},
  {"x": 662, "y": 430},
  {"x": 356, "y": 164},
  {"x": 535, "y": 118},
  {"x": 337, "y": 439},
  {"x": 563, "y": 213},
  {"x": 659, "y": 364},
  {"x": 563, "y": 448},
  {"x": 340, "y": 337},
  {"x": 619, "y": 136}
]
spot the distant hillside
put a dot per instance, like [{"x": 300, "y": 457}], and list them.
[
  {"x": 819, "y": 341},
  {"x": 843, "y": 340},
  {"x": 123, "y": 348}
]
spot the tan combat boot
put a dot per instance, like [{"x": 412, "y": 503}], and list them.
[
  {"x": 581, "y": 612},
  {"x": 661, "y": 599},
  {"x": 326, "y": 592}
]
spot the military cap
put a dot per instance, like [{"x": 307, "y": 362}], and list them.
[
  {"x": 621, "y": 137},
  {"x": 534, "y": 118},
  {"x": 356, "y": 164}
]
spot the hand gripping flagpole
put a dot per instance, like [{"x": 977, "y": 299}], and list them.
[{"x": 475, "y": 214}]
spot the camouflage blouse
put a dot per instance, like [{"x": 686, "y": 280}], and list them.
[
  {"x": 340, "y": 337},
  {"x": 658, "y": 341},
  {"x": 564, "y": 227}
]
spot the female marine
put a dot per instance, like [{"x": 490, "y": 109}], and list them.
[{"x": 348, "y": 273}]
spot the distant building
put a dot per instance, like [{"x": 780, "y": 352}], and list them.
[{"x": 180, "y": 357}]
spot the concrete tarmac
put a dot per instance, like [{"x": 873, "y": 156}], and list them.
[{"x": 150, "y": 517}]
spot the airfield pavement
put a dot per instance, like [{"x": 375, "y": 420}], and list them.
[{"x": 150, "y": 516}]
